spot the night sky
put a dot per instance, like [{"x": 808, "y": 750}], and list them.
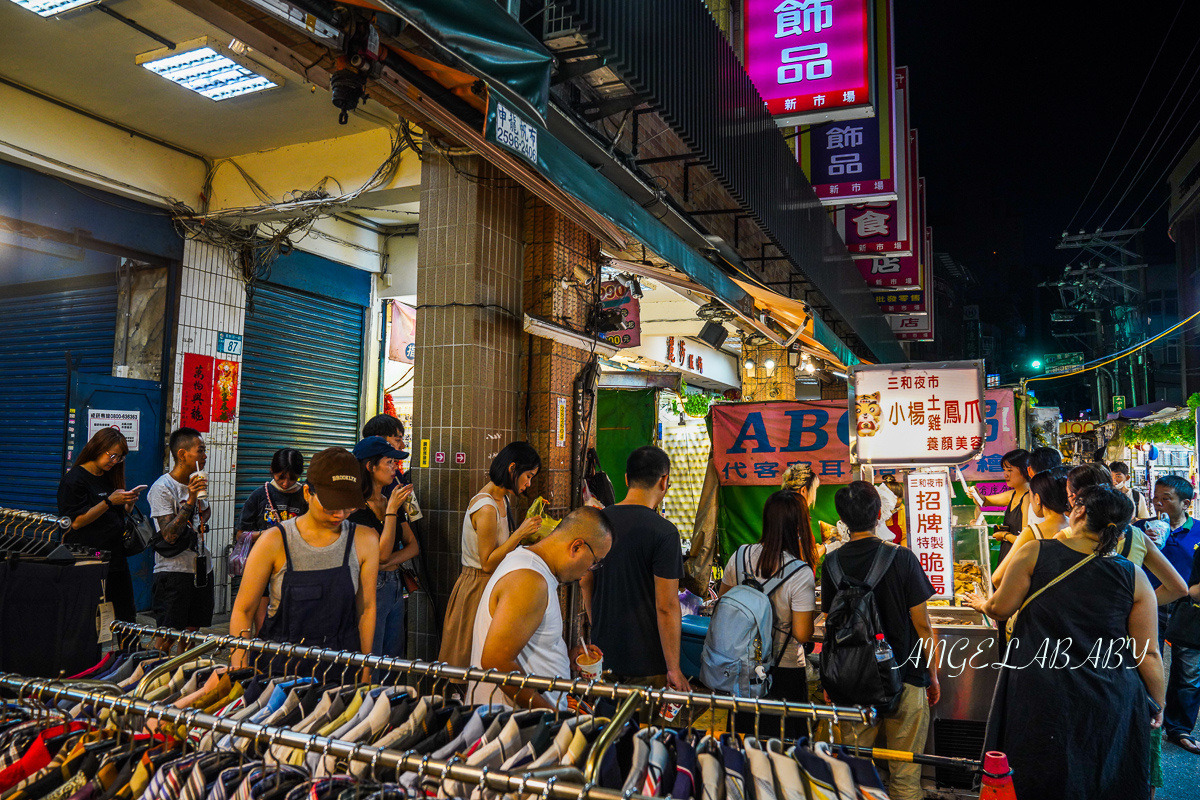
[{"x": 1017, "y": 106}]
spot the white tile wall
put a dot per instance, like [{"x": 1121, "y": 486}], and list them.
[{"x": 212, "y": 299}]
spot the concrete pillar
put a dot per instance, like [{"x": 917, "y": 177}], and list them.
[
  {"x": 466, "y": 397},
  {"x": 562, "y": 273},
  {"x": 776, "y": 382}
]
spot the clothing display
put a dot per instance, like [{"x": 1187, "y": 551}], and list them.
[{"x": 176, "y": 752}]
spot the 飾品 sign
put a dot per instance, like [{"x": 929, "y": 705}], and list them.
[
  {"x": 928, "y": 510},
  {"x": 127, "y": 422},
  {"x": 755, "y": 443},
  {"x": 917, "y": 414}
]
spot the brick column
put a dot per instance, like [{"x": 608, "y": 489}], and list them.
[
  {"x": 556, "y": 251},
  {"x": 761, "y": 383},
  {"x": 466, "y": 396}
]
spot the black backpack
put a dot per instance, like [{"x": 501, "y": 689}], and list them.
[{"x": 849, "y": 671}]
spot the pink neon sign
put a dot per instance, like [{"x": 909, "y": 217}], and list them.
[{"x": 809, "y": 56}]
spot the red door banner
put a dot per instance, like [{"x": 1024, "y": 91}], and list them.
[
  {"x": 195, "y": 402},
  {"x": 225, "y": 391},
  {"x": 755, "y": 443}
]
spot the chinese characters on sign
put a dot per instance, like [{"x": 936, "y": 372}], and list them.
[
  {"x": 127, "y": 422},
  {"x": 515, "y": 133},
  {"x": 677, "y": 354},
  {"x": 196, "y": 391},
  {"x": 225, "y": 391},
  {"x": 928, "y": 505},
  {"x": 918, "y": 414},
  {"x": 616, "y": 295},
  {"x": 755, "y": 443},
  {"x": 1001, "y": 436},
  {"x": 808, "y": 56}
]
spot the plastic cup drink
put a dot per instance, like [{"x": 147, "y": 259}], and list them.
[
  {"x": 590, "y": 665},
  {"x": 203, "y": 493}
]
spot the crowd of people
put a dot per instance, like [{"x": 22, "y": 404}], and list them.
[{"x": 1086, "y": 565}]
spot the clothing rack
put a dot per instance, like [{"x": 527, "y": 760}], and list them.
[
  {"x": 441, "y": 671},
  {"x": 548, "y": 786},
  {"x": 35, "y": 535}
]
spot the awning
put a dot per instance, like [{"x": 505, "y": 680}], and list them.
[
  {"x": 515, "y": 132},
  {"x": 488, "y": 42},
  {"x": 1149, "y": 412},
  {"x": 809, "y": 328}
]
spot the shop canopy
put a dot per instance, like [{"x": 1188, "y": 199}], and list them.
[
  {"x": 1157, "y": 411},
  {"x": 487, "y": 41}
]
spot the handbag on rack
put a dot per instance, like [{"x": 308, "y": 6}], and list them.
[{"x": 139, "y": 532}]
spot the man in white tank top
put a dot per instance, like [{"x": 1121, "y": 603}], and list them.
[{"x": 519, "y": 625}]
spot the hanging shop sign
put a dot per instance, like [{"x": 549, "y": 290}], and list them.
[
  {"x": 918, "y": 413},
  {"x": 1075, "y": 427},
  {"x": 901, "y": 301},
  {"x": 196, "y": 391},
  {"x": 615, "y": 295},
  {"x": 225, "y": 390},
  {"x": 927, "y": 498},
  {"x": 755, "y": 443},
  {"x": 127, "y": 422},
  {"x": 402, "y": 344},
  {"x": 885, "y": 228},
  {"x": 856, "y": 161},
  {"x": 811, "y": 60},
  {"x": 1000, "y": 419},
  {"x": 919, "y": 325}
]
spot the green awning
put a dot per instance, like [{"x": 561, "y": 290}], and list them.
[
  {"x": 823, "y": 334},
  {"x": 482, "y": 36},
  {"x": 560, "y": 164}
]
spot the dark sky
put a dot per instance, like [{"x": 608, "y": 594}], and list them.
[{"x": 1017, "y": 106}]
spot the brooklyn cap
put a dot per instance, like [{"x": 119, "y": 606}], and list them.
[{"x": 336, "y": 476}]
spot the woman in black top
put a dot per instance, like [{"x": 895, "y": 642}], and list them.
[
  {"x": 93, "y": 495},
  {"x": 397, "y": 544}
]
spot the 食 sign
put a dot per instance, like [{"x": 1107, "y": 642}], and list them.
[{"x": 917, "y": 414}]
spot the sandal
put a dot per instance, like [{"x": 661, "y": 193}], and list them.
[{"x": 1187, "y": 743}]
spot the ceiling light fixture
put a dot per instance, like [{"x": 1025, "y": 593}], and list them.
[
  {"x": 51, "y": 8},
  {"x": 749, "y": 365},
  {"x": 769, "y": 364},
  {"x": 209, "y": 69}
]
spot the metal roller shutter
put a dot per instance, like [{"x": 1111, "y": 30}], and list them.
[
  {"x": 39, "y": 329},
  {"x": 301, "y": 378}
]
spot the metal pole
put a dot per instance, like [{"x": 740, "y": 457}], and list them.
[{"x": 578, "y": 686}]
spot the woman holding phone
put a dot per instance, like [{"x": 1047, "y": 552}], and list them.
[{"x": 93, "y": 495}]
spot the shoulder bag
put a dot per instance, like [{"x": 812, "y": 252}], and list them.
[
  {"x": 1012, "y": 621},
  {"x": 139, "y": 532},
  {"x": 239, "y": 551}
]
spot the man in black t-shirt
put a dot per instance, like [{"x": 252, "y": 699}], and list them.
[
  {"x": 632, "y": 598},
  {"x": 901, "y": 597}
]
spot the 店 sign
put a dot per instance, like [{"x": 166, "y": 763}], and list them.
[
  {"x": 928, "y": 505},
  {"x": 127, "y": 422},
  {"x": 755, "y": 443},
  {"x": 917, "y": 414},
  {"x": 811, "y": 59}
]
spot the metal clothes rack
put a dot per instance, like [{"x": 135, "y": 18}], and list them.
[
  {"x": 547, "y": 785},
  {"x": 441, "y": 671},
  {"x": 28, "y": 533}
]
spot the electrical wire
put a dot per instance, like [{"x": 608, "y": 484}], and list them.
[
  {"x": 1187, "y": 142},
  {"x": 1118, "y": 356},
  {"x": 1112, "y": 148}
]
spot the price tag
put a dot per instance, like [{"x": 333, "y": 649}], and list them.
[{"x": 105, "y": 616}]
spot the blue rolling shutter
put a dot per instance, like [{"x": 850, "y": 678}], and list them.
[
  {"x": 38, "y": 330},
  {"x": 301, "y": 378}
]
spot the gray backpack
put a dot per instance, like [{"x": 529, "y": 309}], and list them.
[{"x": 740, "y": 636}]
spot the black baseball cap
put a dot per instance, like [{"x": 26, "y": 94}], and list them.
[
  {"x": 377, "y": 447},
  {"x": 336, "y": 476}
]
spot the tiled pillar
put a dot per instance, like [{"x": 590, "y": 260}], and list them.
[
  {"x": 212, "y": 299},
  {"x": 560, "y": 259},
  {"x": 776, "y": 382},
  {"x": 466, "y": 397}
]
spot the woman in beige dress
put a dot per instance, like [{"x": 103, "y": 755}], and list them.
[{"x": 488, "y": 535}]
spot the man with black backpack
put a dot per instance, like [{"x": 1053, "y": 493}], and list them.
[{"x": 874, "y": 596}]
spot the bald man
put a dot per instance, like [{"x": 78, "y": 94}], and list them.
[{"x": 519, "y": 625}]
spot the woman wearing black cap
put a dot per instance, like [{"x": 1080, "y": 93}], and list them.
[
  {"x": 397, "y": 544},
  {"x": 320, "y": 567}
]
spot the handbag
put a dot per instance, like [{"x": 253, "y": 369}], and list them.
[
  {"x": 139, "y": 532},
  {"x": 239, "y": 551},
  {"x": 597, "y": 480},
  {"x": 1012, "y": 621}
]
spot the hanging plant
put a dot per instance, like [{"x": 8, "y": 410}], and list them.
[{"x": 1177, "y": 431}]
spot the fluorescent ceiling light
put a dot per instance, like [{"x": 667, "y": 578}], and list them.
[
  {"x": 50, "y": 8},
  {"x": 557, "y": 333},
  {"x": 209, "y": 69}
]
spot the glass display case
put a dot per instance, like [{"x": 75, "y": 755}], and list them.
[{"x": 971, "y": 555}]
